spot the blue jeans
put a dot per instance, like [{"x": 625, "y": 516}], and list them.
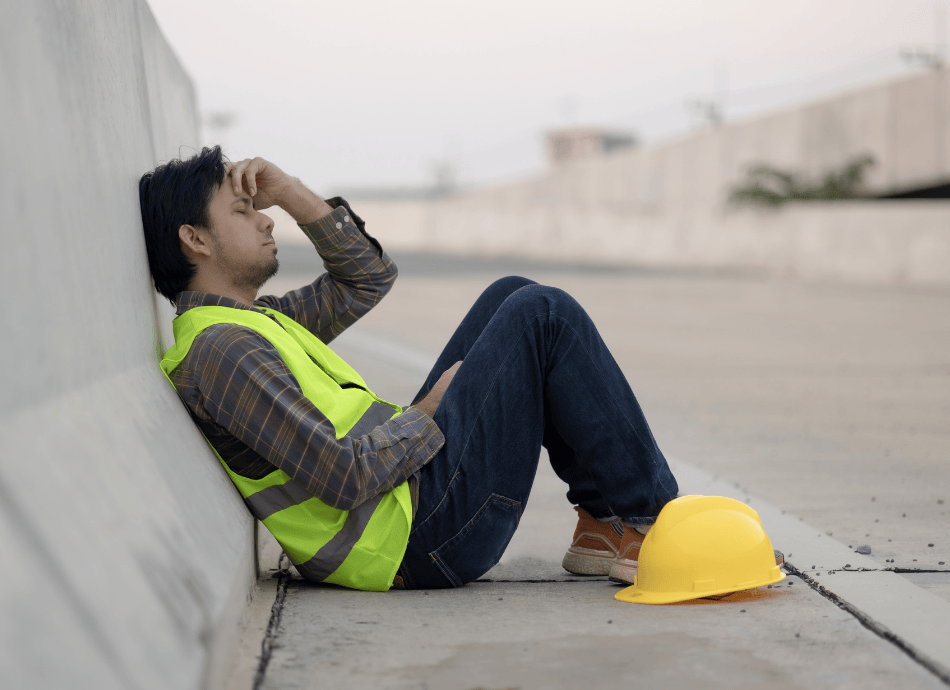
[{"x": 535, "y": 372}]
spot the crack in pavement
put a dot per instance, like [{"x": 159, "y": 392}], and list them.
[
  {"x": 873, "y": 570},
  {"x": 878, "y": 629},
  {"x": 270, "y": 635}
]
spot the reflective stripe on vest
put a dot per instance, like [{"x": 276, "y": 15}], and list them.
[
  {"x": 268, "y": 501},
  {"x": 332, "y": 554},
  {"x": 361, "y": 548}
]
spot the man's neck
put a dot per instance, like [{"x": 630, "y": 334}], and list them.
[{"x": 245, "y": 296}]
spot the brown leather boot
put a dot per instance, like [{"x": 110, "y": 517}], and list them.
[{"x": 595, "y": 545}]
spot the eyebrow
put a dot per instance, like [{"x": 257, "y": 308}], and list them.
[{"x": 246, "y": 200}]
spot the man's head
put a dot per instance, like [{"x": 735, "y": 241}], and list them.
[{"x": 197, "y": 229}]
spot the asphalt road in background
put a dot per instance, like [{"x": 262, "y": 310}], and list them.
[{"x": 830, "y": 402}]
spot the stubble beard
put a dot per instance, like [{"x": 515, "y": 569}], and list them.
[
  {"x": 256, "y": 276},
  {"x": 251, "y": 276}
]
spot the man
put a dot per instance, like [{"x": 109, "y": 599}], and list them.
[{"x": 358, "y": 491}]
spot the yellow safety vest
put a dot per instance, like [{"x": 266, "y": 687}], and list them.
[{"x": 360, "y": 548}]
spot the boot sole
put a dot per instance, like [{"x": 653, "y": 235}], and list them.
[
  {"x": 581, "y": 561},
  {"x": 623, "y": 572}
]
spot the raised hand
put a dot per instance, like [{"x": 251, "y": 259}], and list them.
[
  {"x": 269, "y": 186},
  {"x": 265, "y": 182}
]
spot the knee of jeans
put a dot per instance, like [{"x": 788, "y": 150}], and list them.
[
  {"x": 507, "y": 285},
  {"x": 547, "y": 297}
]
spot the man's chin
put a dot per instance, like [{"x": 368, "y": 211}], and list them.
[
  {"x": 262, "y": 274},
  {"x": 272, "y": 269}
]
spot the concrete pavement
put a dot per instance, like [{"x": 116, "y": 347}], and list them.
[{"x": 829, "y": 403}]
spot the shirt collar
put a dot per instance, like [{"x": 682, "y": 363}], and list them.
[{"x": 189, "y": 299}]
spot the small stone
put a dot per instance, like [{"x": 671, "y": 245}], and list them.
[
  {"x": 790, "y": 584},
  {"x": 741, "y": 610},
  {"x": 813, "y": 567},
  {"x": 789, "y": 555},
  {"x": 915, "y": 560},
  {"x": 904, "y": 515},
  {"x": 797, "y": 635},
  {"x": 426, "y": 593},
  {"x": 867, "y": 535},
  {"x": 864, "y": 550},
  {"x": 872, "y": 499},
  {"x": 609, "y": 622},
  {"x": 940, "y": 500},
  {"x": 500, "y": 598},
  {"x": 929, "y": 544},
  {"x": 877, "y": 521},
  {"x": 939, "y": 562},
  {"x": 847, "y": 565},
  {"x": 888, "y": 539}
]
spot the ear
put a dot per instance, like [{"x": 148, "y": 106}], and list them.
[{"x": 194, "y": 241}]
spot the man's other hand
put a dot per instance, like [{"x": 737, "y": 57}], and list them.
[
  {"x": 269, "y": 186},
  {"x": 430, "y": 403}
]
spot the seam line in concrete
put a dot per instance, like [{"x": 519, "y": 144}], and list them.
[
  {"x": 877, "y": 628},
  {"x": 897, "y": 570},
  {"x": 270, "y": 635},
  {"x": 913, "y": 636}
]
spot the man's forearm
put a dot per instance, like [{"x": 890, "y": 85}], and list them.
[{"x": 303, "y": 205}]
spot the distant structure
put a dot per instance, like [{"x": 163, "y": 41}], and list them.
[{"x": 571, "y": 144}]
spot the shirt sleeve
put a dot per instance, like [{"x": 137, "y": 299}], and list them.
[
  {"x": 244, "y": 388},
  {"x": 359, "y": 274}
]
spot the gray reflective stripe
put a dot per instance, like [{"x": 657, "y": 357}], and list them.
[
  {"x": 331, "y": 556},
  {"x": 273, "y": 499},
  {"x": 372, "y": 418}
]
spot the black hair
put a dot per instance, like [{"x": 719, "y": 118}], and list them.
[{"x": 175, "y": 194}]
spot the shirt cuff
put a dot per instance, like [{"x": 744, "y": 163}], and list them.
[
  {"x": 415, "y": 422},
  {"x": 338, "y": 229},
  {"x": 332, "y": 230}
]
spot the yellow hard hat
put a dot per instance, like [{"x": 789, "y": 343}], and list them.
[{"x": 701, "y": 546}]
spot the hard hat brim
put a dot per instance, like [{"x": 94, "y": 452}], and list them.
[{"x": 634, "y": 595}]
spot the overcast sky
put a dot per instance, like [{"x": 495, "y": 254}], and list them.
[{"x": 377, "y": 93}]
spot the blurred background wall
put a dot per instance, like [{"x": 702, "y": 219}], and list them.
[
  {"x": 125, "y": 554},
  {"x": 669, "y": 204}
]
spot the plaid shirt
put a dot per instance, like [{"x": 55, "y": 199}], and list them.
[{"x": 250, "y": 407}]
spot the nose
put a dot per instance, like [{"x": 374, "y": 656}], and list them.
[{"x": 268, "y": 224}]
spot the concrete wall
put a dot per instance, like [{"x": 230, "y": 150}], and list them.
[
  {"x": 125, "y": 554},
  {"x": 666, "y": 205},
  {"x": 879, "y": 242}
]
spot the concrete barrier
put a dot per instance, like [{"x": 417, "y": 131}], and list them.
[
  {"x": 873, "y": 242},
  {"x": 667, "y": 204},
  {"x": 126, "y": 556}
]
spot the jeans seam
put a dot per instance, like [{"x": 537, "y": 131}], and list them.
[
  {"x": 479, "y": 414},
  {"x": 439, "y": 504},
  {"x": 594, "y": 367}
]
